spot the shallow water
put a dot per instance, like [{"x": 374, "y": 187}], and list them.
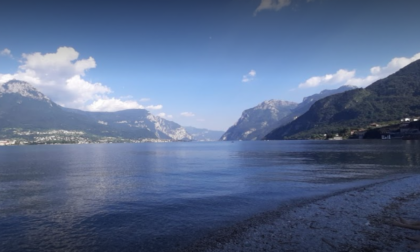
[{"x": 159, "y": 196}]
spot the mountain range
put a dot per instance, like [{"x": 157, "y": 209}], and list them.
[
  {"x": 255, "y": 123},
  {"x": 203, "y": 134},
  {"x": 388, "y": 99},
  {"x": 27, "y": 114}
]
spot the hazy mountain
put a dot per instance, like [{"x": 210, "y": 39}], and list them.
[
  {"x": 256, "y": 122},
  {"x": 138, "y": 119},
  {"x": 204, "y": 134},
  {"x": 22, "y": 108},
  {"x": 388, "y": 99}
]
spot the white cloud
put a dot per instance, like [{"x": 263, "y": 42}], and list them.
[
  {"x": 112, "y": 104},
  {"x": 187, "y": 114},
  {"x": 249, "y": 76},
  {"x": 154, "y": 107},
  {"x": 272, "y": 5},
  {"x": 6, "y": 52},
  {"x": 79, "y": 91},
  {"x": 378, "y": 72},
  {"x": 5, "y": 78},
  {"x": 341, "y": 76},
  {"x": 348, "y": 77},
  {"x": 60, "y": 75},
  {"x": 164, "y": 115}
]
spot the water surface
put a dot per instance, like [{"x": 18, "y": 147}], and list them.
[{"x": 159, "y": 196}]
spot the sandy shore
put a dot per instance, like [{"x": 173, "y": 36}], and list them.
[{"x": 352, "y": 220}]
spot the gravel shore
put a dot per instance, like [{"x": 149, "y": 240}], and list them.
[{"x": 352, "y": 220}]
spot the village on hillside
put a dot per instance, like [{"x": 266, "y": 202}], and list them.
[{"x": 407, "y": 129}]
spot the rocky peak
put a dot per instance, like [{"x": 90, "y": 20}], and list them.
[
  {"x": 23, "y": 88},
  {"x": 274, "y": 104}
]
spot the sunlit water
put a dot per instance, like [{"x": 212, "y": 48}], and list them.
[{"x": 160, "y": 196}]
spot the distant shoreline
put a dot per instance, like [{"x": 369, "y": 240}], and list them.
[{"x": 350, "y": 220}]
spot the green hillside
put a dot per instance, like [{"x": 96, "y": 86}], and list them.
[{"x": 388, "y": 99}]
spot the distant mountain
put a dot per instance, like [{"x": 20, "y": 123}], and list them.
[
  {"x": 388, "y": 99},
  {"x": 23, "y": 108},
  {"x": 256, "y": 122},
  {"x": 203, "y": 134},
  {"x": 130, "y": 119}
]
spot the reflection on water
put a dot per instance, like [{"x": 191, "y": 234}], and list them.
[
  {"x": 155, "y": 197},
  {"x": 333, "y": 162}
]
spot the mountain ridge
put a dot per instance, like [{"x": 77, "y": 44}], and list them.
[
  {"x": 388, "y": 99},
  {"x": 255, "y": 123},
  {"x": 23, "y": 107},
  {"x": 200, "y": 134}
]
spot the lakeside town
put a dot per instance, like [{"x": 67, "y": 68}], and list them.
[
  {"x": 66, "y": 137},
  {"x": 407, "y": 129}
]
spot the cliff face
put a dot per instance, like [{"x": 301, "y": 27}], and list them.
[{"x": 256, "y": 122}]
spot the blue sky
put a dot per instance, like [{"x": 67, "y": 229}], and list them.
[{"x": 200, "y": 62}]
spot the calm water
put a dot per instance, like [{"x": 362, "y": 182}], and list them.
[{"x": 157, "y": 197}]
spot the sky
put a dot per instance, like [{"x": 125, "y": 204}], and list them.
[{"x": 201, "y": 63}]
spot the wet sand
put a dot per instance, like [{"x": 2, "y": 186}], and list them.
[{"x": 351, "y": 220}]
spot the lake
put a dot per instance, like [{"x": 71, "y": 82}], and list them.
[{"x": 162, "y": 196}]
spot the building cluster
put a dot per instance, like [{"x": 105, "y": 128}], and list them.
[
  {"x": 48, "y": 132},
  {"x": 404, "y": 130},
  {"x": 28, "y": 137},
  {"x": 7, "y": 142}
]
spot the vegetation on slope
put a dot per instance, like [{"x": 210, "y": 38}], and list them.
[{"x": 392, "y": 98}]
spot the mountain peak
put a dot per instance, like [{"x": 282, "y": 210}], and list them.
[
  {"x": 22, "y": 88},
  {"x": 274, "y": 104}
]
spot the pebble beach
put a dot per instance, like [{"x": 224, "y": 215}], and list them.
[{"x": 357, "y": 219}]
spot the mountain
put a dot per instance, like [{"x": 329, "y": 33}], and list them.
[
  {"x": 23, "y": 107},
  {"x": 307, "y": 102},
  {"x": 256, "y": 122},
  {"x": 129, "y": 119},
  {"x": 26, "y": 112},
  {"x": 203, "y": 134},
  {"x": 389, "y": 99}
]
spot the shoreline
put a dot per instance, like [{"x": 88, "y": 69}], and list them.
[{"x": 354, "y": 219}]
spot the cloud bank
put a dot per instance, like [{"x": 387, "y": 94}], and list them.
[
  {"x": 340, "y": 76},
  {"x": 60, "y": 76},
  {"x": 345, "y": 77}
]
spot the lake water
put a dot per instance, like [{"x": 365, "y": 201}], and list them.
[{"x": 160, "y": 196}]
